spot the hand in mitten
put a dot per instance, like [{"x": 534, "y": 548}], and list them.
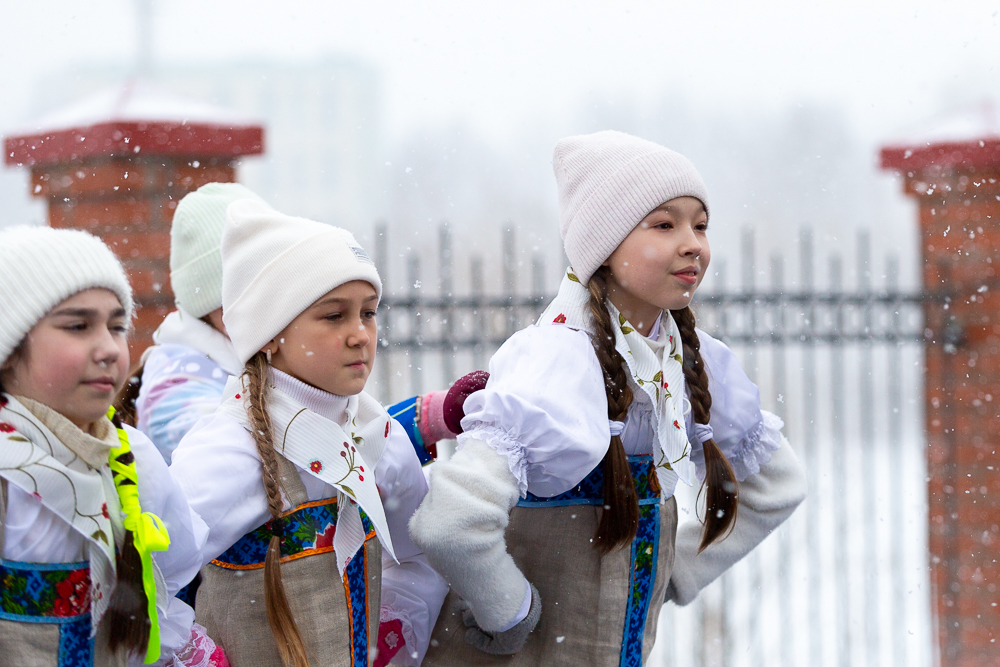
[
  {"x": 441, "y": 412},
  {"x": 509, "y": 641},
  {"x": 390, "y": 641}
]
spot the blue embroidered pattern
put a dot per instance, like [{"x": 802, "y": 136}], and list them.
[
  {"x": 76, "y": 646},
  {"x": 356, "y": 588},
  {"x": 645, "y": 546},
  {"x": 308, "y": 530},
  {"x": 51, "y": 593}
]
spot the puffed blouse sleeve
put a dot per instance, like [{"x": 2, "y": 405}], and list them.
[
  {"x": 544, "y": 409},
  {"x": 746, "y": 434}
]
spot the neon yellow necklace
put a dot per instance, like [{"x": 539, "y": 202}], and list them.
[{"x": 148, "y": 532}]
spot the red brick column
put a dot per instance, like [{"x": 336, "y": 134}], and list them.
[
  {"x": 957, "y": 187},
  {"x": 121, "y": 180}
]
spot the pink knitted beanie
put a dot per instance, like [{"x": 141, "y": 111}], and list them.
[{"x": 608, "y": 182}]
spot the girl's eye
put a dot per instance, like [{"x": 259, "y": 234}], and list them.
[
  {"x": 75, "y": 326},
  {"x": 333, "y": 316},
  {"x": 119, "y": 328},
  {"x": 369, "y": 314}
]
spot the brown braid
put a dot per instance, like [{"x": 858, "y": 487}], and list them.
[
  {"x": 279, "y": 613},
  {"x": 721, "y": 490},
  {"x": 620, "y": 518},
  {"x": 127, "y": 615}
]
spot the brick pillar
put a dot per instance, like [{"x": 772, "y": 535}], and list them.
[
  {"x": 957, "y": 188},
  {"x": 121, "y": 177}
]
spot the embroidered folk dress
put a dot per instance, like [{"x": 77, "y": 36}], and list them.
[
  {"x": 338, "y": 616},
  {"x": 183, "y": 377},
  {"x": 47, "y": 584},
  {"x": 545, "y": 410}
]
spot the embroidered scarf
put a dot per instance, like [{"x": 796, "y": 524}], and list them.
[
  {"x": 661, "y": 376},
  {"x": 35, "y": 460},
  {"x": 343, "y": 457}
]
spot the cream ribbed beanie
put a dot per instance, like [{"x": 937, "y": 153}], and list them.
[
  {"x": 274, "y": 266},
  {"x": 195, "y": 237},
  {"x": 41, "y": 267},
  {"x": 608, "y": 182}
]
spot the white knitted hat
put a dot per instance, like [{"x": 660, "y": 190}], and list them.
[
  {"x": 41, "y": 267},
  {"x": 608, "y": 182},
  {"x": 274, "y": 266},
  {"x": 195, "y": 237}
]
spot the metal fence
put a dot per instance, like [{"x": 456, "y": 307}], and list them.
[{"x": 844, "y": 582}]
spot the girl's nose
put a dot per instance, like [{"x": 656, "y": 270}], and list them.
[
  {"x": 690, "y": 245},
  {"x": 107, "y": 351},
  {"x": 360, "y": 337}
]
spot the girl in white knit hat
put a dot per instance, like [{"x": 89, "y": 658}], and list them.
[
  {"x": 95, "y": 537},
  {"x": 555, "y": 521},
  {"x": 304, "y": 480},
  {"x": 182, "y": 376}
]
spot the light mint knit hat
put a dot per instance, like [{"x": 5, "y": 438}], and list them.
[{"x": 195, "y": 239}]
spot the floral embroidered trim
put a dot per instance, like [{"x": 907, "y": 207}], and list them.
[
  {"x": 505, "y": 444},
  {"x": 756, "y": 447}
]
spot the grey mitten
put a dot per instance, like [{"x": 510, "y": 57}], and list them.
[{"x": 509, "y": 641}]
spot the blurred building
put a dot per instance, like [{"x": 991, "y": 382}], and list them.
[{"x": 322, "y": 119}]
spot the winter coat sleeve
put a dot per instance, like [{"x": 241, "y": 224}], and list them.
[
  {"x": 766, "y": 499},
  {"x": 412, "y": 591},
  {"x": 180, "y": 385},
  {"x": 161, "y": 495}
]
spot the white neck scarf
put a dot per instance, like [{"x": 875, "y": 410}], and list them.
[
  {"x": 80, "y": 492},
  {"x": 342, "y": 456},
  {"x": 660, "y": 375}
]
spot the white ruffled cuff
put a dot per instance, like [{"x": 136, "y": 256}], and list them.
[
  {"x": 504, "y": 444},
  {"x": 755, "y": 449},
  {"x": 408, "y": 654}
]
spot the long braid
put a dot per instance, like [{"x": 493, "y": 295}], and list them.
[
  {"x": 279, "y": 613},
  {"x": 620, "y": 518},
  {"x": 721, "y": 490}
]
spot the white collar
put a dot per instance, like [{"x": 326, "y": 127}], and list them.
[{"x": 330, "y": 406}]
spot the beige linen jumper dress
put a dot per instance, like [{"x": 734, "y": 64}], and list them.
[
  {"x": 599, "y": 611},
  {"x": 338, "y": 617}
]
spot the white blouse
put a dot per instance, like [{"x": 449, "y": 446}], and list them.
[
  {"x": 545, "y": 409},
  {"x": 217, "y": 465},
  {"x": 34, "y": 534}
]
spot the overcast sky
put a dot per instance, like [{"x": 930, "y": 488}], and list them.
[{"x": 496, "y": 65}]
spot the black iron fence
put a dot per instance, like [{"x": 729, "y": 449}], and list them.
[{"x": 844, "y": 582}]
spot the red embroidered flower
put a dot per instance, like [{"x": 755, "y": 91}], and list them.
[
  {"x": 386, "y": 430},
  {"x": 344, "y": 454},
  {"x": 665, "y": 385},
  {"x": 74, "y": 594},
  {"x": 325, "y": 539},
  {"x": 670, "y": 339},
  {"x": 560, "y": 319},
  {"x": 104, "y": 511},
  {"x": 316, "y": 466},
  {"x": 361, "y": 477},
  {"x": 361, "y": 468},
  {"x": 346, "y": 446},
  {"x": 676, "y": 425},
  {"x": 6, "y": 428},
  {"x": 352, "y": 448},
  {"x": 237, "y": 395}
]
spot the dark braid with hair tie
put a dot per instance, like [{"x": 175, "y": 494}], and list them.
[
  {"x": 620, "y": 518},
  {"x": 720, "y": 487},
  {"x": 279, "y": 612}
]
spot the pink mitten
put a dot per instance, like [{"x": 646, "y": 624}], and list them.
[
  {"x": 201, "y": 651},
  {"x": 390, "y": 641}
]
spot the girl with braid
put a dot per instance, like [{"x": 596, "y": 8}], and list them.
[
  {"x": 304, "y": 480},
  {"x": 95, "y": 537},
  {"x": 555, "y": 521}
]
